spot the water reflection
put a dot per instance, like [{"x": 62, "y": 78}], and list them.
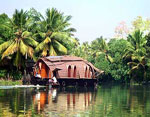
[
  {"x": 106, "y": 101},
  {"x": 63, "y": 100},
  {"x": 14, "y": 102},
  {"x": 122, "y": 101}
]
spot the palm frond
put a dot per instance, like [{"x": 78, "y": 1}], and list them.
[
  {"x": 133, "y": 69},
  {"x": 131, "y": 64},
  {"x": 60, "y": 35},
  {"x": 60, "y": 47},
  {"x": 20, "y": 18},
  {"x": 4, "y": 26},
  {"x": 40, "y": 47},
  {"x": 42, "y": 34},
  {"x": 39, "y": 36},
  {"x": 110, "y": 59},
  {"x": 52, "y": 51},
  {"x": 23, "y": 48},
  {"x": 5, "y": 45},
  {"x": 47, "y": 40},
  {"x": 30, "y": 41},
  {"x": 26, "y": 34},
  {"x": 45, "y": 50},
  {"x": 10, "y": 50}
]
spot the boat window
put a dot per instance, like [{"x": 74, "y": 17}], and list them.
[
  {"x": 75, "y": 72},
  {"x": 69, "y": 71},
  {"x": 86, "y": 72}
]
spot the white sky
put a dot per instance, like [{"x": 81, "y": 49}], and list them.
[{"x": 91, "y": 18}]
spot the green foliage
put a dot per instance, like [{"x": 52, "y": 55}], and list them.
[
  {"x": 102, "y": 63},
  {"x": 137, "y": 54},
  {"x": 12, "y": 75},
  {"x": 107, "y": 57},
  {"x": 99, "y": 44},
  {"x": 16, "y": 75},
  {"x": 140, "y": 24},
  {"x": 27, "y": 30},
  {"x": 54, "y": 33},
  {"x": 3, "y": 73},
  {"x": 4, "y": 33},
  {"x": 9, "y": 82},
  {"x": 20, "y": 43},
  {"x": 30, "y": 35},
  {"x": 119, "y": 70},
  {"x": 82, "y": 51}
]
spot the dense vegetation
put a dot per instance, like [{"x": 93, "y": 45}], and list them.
[
  {"x": 28, "y": 35},
  {"x": 123, "y": 59}
]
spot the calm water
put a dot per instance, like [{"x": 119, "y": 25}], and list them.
[{"x": 106, "y": 101}]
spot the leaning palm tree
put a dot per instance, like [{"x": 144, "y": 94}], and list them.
[
  {"x": 21, "y": 43},
  {"x": 54, "y": 33}
]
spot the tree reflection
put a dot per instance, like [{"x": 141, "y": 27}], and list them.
[{"x": 121, "y": 101}]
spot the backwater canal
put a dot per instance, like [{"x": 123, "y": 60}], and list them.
[{"x": 105, "y": 101}]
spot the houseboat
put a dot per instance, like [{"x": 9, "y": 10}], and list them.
[{"x": 68, "y": 70}]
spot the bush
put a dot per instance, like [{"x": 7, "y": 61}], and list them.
[
  {"x": 16, "y": 75},
  {"x": 13, "y": 75}
]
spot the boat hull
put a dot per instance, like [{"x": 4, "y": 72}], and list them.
[{"x": 65, "y": 82}]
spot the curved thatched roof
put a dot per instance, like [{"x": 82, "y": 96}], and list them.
[{"x": 59, "y": 62}]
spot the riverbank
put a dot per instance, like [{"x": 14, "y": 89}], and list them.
[{"x": 10, "y": 82}]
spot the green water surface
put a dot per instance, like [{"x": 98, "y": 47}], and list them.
[{"x": 106, "y": 101}]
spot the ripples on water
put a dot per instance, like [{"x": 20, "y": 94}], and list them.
[{"x": 106, "y": 101}]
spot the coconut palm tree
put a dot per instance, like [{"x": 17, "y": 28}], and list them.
[
  {"x": 99, "y": 46},
  {"x": 54, "y": 33},
  {"x": 136, "y": 54},
  {"x": 34, "y": 19},
  {"x": 82, "y": 51},
  {"x": 136, "y": 47},
  {"x": 138, "y": 68},
  {"x": 21, "y": 43}
]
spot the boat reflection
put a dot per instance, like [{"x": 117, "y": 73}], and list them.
[{"x": 63, "y": 99}]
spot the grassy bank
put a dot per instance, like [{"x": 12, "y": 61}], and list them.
[{"x": 10, "y": 82}]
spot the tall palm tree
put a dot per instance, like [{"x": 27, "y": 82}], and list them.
[
  {"x": 54, "y": 33},
  {"x": 21, "y": 43}
]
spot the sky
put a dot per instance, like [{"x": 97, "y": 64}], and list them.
[{"x": 91, "y": 18}]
